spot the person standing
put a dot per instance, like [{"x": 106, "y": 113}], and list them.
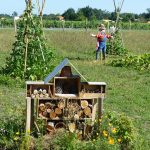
[{"x": 101, "y": 41}]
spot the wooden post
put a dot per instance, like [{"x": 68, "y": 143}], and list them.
[
  {"x": 15, "y": 26},
  {"x": 28, "y": 115},
  {"x": 32, "y": 113},
  {"x": 95, "y": 103},
  {"x": 100, "y": 108}
]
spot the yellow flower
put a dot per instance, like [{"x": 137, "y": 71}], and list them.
[
  {"x": 17, "y": 133},
  {"x": 28, "y": 131},
  {"x": 111, "y": 140},
  {"x": 93, "y": 140},
  {"x": 97, "y": 133},
  {"x": 16, "y": 138},
  {"x": 100, "y": 120},
  {"x": 119, "y": 140},
  {"x": 105, "y": 133},
  {"x": 114, "y": 130},
  {"x": 110, "y": 124}
]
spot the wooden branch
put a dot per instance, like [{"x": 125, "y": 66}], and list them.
[
  {"x": 121, "y": 4},
  {"x": 26, "y": 53},
  {"x": 115, "y": 6},
  {"x": 43, "y": 5},
  {"x": 38, "y": 4}
]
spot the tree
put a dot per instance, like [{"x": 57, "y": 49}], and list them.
[
  {"x": 128, "y": 16},
  {"x": 87, "y": 12},
  {"x": 14, "y": 14},
  {"x": 70, "y": 14}
]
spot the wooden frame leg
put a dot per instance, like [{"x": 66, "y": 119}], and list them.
[
  {"x": 100, "y": 108},
  {"x": 28, "y": 115}
]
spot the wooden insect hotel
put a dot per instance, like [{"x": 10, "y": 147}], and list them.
[{"x": 63, "y": 101}]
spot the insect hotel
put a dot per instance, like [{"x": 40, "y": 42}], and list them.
[{"x": 63, "y": 101}]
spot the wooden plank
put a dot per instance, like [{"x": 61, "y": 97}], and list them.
[
  {"x": 32, "y": 113},
  {"x": 100, "y": 108},
  {"x": 91, "y": 95},
  {"x": 28, "y": 115},
  {"x": 94, "y": 110}
]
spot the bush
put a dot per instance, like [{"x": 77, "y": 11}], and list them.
[
  {"x": 116, "y": 130},
  {"x": 141, "y": 62},
  {"x": 11, "y": 130}
]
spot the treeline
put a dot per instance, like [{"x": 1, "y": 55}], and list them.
[
  {"x": 93, "y": 24},
  {"x": 90, "y": 14},
  {"x": 98, "y": 14},
  {"x": 86, "y": 17},
  {"x": 8, "y": 23}
]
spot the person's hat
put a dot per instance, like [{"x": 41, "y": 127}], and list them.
[{"x": 102, "y": 27}]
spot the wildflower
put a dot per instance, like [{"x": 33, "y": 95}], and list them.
[
  {"x": 93, "y": 140},
  {"x": 100, "y": 120},
  {"x": 28, "y": 131},
  {"x": 111, "y": 140},
  {"x": 17, "y": 133},
  {"x": 119, "y": 140},
  {"x": 105, "y": 133},
  {"x": 97, "y": 133},
  {"x": 114, "y": 130},
  {"x": 110, "y": 124},
  {"x": 16, "y": 138}
]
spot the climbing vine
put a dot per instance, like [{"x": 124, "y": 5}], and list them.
[
  {"x": 115, "y": 46},
  {"x": 30, "y": 57}
]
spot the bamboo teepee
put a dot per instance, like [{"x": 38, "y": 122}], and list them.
[{"x": 30, "y": 57}]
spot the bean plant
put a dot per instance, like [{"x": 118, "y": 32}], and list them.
[
  {"x": 115, "y": 46},
  {"x": 30, "y": 57}
]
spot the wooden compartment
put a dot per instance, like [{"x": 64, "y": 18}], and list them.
[
  {"x": 54, "y": 125},
  {"x": 92, "y": 89},
  {"x": 79, "y": 109},
  {"x": 67, "y": 86},
  {"x": 39, "y": 90},
  {"x": 50, "y": 109}
]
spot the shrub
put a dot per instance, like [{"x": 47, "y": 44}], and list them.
[
  {"x": 11, "y": 130},
  {"x": 116, "y": 130},
  {"x": 115, "y": 46},
  {"x": 141, "y": 62}
]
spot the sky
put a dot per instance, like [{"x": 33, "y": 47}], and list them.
[{"x": 59, "y": 6}]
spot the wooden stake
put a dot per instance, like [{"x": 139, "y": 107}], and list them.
[
  {"x": 100, "y": 108},
  {"x": 28, "y": 115},
  {"x": 26, "y": 53}
]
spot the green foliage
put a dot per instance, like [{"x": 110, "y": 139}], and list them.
[
  {"x": 30, "y": 58},
  {"x": 116, "y": 129},
  {"x": 64, "y": 140},
  {"x": 10, "y": 132},
  {"x": 141, "y": 62},
  {"x": 115, "y": 46},
  {"x": 8, "y": 81}
]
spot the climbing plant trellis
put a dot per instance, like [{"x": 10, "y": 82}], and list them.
[
  {"x": 30, "y": 56},
  {"x": 116, "y": 46}
]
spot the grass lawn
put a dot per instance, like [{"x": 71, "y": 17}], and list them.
[{"x": 128, "y": 91}]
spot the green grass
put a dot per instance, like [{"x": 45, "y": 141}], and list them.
[{"x": 128, "y": 90}]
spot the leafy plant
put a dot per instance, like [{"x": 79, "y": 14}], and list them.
[
  {"x": 115, "y": 46},
  {"x": 10, "y": 132},
  {"x": 30, "y": 57},
  {"x": 116, "y": 129},
  {"x": 141, "y": 62}
]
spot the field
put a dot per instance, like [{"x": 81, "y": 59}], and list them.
[{"x": 128, "y": 90}]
